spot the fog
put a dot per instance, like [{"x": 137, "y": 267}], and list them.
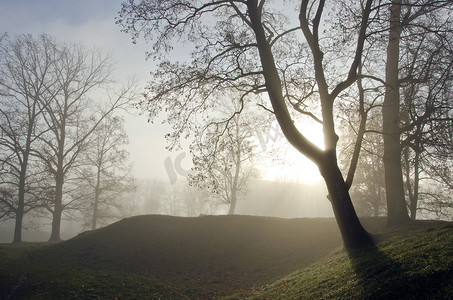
[
  {"x": 286, "y": 185},
  {"x": 263, "y": 198},
  {"x": 193, "y": 149},
  {"x": 92, "y": 24}
]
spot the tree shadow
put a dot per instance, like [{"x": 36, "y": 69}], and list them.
[{"x": 381, "y": 277}]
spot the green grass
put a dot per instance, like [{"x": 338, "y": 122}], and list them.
[
  {"x": 409, "y": 263},
  {"x": 236, "y": 257}
]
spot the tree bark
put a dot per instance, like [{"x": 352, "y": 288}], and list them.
[
  {"x": 58, "y": 209},
  {"x": 18, "y": 224},
  {"x": 56, "y": 223},
  {"x": 234, "y": 187},
  {"x": 396, "y": 203},
  {"x": 352, "y": 232}
]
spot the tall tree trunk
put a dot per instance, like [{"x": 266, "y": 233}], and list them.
[
  {"x": 396, "y": 203},
  {"x": 59, "y": 178},
  {"x": 95, "y": 211},
  {"x": 377, "y": 202},
  {"x": 360, "y": 132}
]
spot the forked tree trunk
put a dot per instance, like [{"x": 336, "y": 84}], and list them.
[
  {"x": 352, "y": 231},
  {"x": 412, "y": 190}
]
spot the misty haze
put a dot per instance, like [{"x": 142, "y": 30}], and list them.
[{"x": 248, "y": 149}]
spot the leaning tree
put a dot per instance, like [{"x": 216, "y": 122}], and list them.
[{"x": 256, "y": 48}]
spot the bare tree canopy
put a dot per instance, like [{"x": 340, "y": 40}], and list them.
[
  {"x": 25, "y": 76},
  {"x": 252, "y": 47},
  {"x": 224, "y": 162},
  {"x": 48, "y": 115}
]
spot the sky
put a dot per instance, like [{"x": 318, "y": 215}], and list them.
[{"x": 92, "y": 22}]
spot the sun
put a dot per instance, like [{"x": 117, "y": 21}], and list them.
[{"x": 290, "y": 165}]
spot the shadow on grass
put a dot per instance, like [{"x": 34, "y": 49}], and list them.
[{"x": 381, "y": 277}]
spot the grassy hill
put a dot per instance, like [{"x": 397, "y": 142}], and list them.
[
  {"x": 413, "y": 262},
  {"x": 152, "y": 257}
]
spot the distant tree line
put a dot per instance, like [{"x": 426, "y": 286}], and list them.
[{"x": 61, "y": 145}]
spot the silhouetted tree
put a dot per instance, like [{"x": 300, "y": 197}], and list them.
[
  {"x": 250, "y": 47},
  {"x": 412, "y": 32},
  {"x": 71, "y": 117},
  {"x": 406, "y": 20}
]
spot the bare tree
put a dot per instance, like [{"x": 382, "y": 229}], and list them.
[
  {"x": 406, "y": 19},
  {"x": 427, "y": 115},
  {"x": 396, "y": 204},
  {"x": 252, "y": 48},
  {"x": 413, "y": 33},
  {"x": 72, "y": 118},
  {"x": 25, "y": 76},
  {"x": 224, "y": 163},
  {"x": 106, "y": 171},
  {"x": 368, "y": 190}
]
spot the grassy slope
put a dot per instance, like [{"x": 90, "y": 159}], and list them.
[
  {"x": 409, "y": 262},
  {"x": 150, "y": 257}
]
